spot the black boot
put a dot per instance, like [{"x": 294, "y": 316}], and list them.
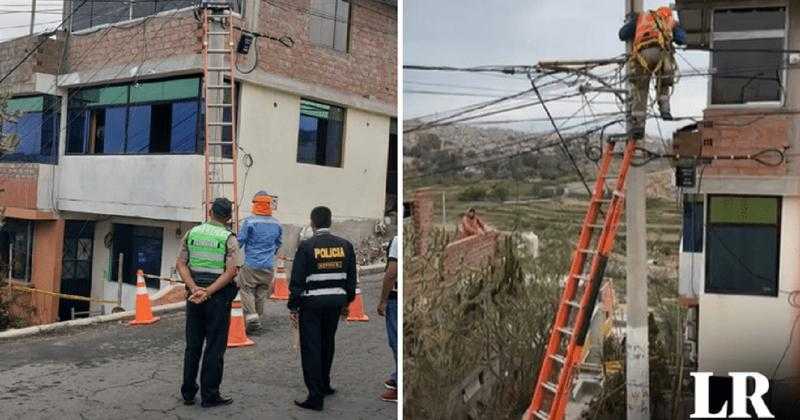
[
  {"x": 309, "y": 404},
  {"x": 663, "y": 107}
]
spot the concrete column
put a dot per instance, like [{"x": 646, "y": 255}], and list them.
[
  {"x": 48, "y": 245},
  {"x": 636, "y": 343}
]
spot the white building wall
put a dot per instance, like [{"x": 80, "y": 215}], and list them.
[
  {"x": 750, "y": 333},
  {"x": 161, "y": 187},
  {"x": 353, "y": 192},
  {"x": 103, "y": 288}
]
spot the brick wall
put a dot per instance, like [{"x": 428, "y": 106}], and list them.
[
  {"x": 19, "y": 185},
  {"x": 368, "y": 69},
  {"x": 156, "y": 38},
  {"x": 471, "y": 253},
  {"x": 44, "y": 60},
  {"x": 733, "y": 134}
]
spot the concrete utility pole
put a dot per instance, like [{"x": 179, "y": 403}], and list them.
[
  {"x": 636, "y": 344},
  {"x": 33, "y": 14}
]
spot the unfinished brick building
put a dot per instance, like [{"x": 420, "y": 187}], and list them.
[
  {"x": 111, "y": 116},
  {"x": 738, "y": 261}
]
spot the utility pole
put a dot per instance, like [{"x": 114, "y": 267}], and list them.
[
  {"x": 636, "y": 344},
  {"x": 33, "y": 14}
]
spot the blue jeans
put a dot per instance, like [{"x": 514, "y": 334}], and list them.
[{"x": 391, "y": 332}]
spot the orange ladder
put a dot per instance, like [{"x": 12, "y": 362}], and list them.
[
  {"x": 219, "y": 94},
  {"x": 568, "y": 335}
]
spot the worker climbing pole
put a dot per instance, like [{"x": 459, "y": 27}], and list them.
[{"x": 219, "y": 92}]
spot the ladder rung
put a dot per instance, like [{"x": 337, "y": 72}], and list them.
[
  {"x": 550, "y": 386},
  {"x": 220, "y": 162},
  {"x": 219, "y": 68},
  {"x": 618, "y": 193},
  {"x": 220, "y": 105},
  {"x": 601, "y": 200},
  {"x": 218, "y": 33},
  {"x": 565, "y": 330},
  {"x": 221, "y": 124},
  {"x": 220, "y": 143},
  {"x": 573, "y": 304},
  {"x": 220, "y": 182},
  {"x": 587, "y": 251},
  {"x": 218, "y": 51},
  {"x": 582, "y": 276},
  {"x": 542, "y": 415},
  {"x": 595, "y": 225},
  {"x": 558, "y": 358},
  {"x": 218, "y": 86}
]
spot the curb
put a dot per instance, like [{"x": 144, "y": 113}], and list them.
[
  {"x": 363, "y": 270},
  {"x": 58, "y": 326}
]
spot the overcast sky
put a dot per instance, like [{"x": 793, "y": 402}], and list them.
[
  {"x": 15, "y": 16},
  {"x": 479, "y": 32}
]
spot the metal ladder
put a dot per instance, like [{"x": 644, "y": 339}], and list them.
[
  {"x": 219, "y": 93},
  {"x": 568, "y": 335}
]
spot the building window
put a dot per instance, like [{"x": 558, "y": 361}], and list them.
[
  {"x": 752, "y": 71},
  {"x": 99, "y": 12},
  {"x": 34, "y": 121},
  {"x": 16, "y": 248},
  {"x": 330, "y": 23},
  {"x": 321, "y": 134},
  {"x": 692, "y": 223},
  {"x": 743, "y": 247},
  {"x": 148, "y": 117},
  {"x": 141, "y": 248}
]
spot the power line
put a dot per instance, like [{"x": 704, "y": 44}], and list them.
[
  {"x": 563, "y": 143},
  {"x": 40, "y": 43}
]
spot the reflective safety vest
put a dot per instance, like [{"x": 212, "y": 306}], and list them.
[
  {"x": 207, "y": 245},
  {"x": 654, "y": 28}
]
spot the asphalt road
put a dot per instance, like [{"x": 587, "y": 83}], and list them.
[{"x": 115, "y": 371}]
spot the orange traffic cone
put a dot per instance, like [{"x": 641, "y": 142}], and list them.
[
  {"x": 280, "y": 288},
  {"x": 356, "y": 312},
  {"x": 236, "y": 331},
  {"x": 144, "y": 314}
]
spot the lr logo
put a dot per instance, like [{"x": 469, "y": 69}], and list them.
[{"x": 740, "y": 397}]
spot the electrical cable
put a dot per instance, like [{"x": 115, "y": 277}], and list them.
[
  {"x": 44, "y": 38},
  {"x": 561, "y": 138}
]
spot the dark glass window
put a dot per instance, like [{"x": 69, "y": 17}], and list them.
[
  {"x": 747, "y": 57},
  {"x": 742, "y": 253},
  {"x": 141, "y": 247},
  {"x": 99, "y": 12},
  {"x": 321, "y": 134},
  {"x": 692, "y": 224},
  {"x": 16, "y": 242},
  {"x": 34, "y": 121},
  {"x": 149, "y": 117},
  {"x": 330, "y": 23}
]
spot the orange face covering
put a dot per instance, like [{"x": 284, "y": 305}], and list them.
[{"x": 262, "y": 205}]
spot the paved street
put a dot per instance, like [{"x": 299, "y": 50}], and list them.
[{"x": 114, "y": 371}]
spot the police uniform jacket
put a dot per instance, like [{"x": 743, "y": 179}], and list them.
[{"x": 323, "y": 272}]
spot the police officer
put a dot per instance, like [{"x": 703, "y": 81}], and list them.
[
  {"x": 207, "y": 263},
  {"x": 323, "y": 284}
]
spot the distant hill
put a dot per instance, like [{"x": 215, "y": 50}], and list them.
[{"x": 474, "y": 151}]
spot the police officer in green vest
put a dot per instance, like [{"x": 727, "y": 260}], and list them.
[{"x": 207, "y": 263}]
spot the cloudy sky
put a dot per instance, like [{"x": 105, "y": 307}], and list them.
[
  {"x": 15, "y": 16},
  {"x": 479, "y": 32}
]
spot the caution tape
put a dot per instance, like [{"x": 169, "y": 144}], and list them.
[{"x": 63, "y": 295}]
